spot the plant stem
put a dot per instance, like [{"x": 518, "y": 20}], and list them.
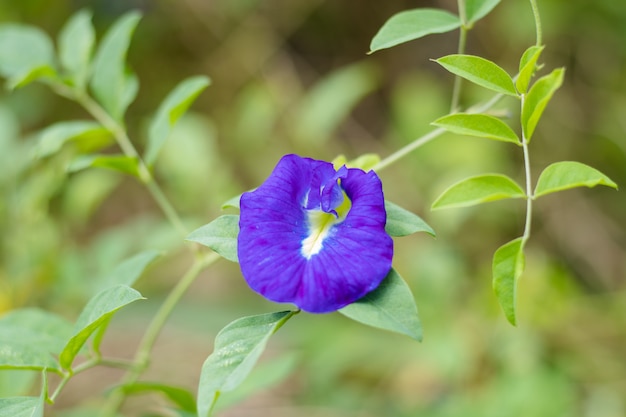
[
  {"x": 529, "y": 189},
  {"x": 433, "y": 134},
  {"x": 142, "y": 356},
  {"x": 458, "y": 81},
  {"x": 121, "y": 137},
  {"x": 533, "y": 5}
]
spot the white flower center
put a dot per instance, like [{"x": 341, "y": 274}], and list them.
[{"x": 320, "y": 225}]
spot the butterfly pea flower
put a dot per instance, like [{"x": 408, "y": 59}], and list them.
[{"x": 314, "y": 236}]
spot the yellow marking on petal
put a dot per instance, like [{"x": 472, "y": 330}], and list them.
[{"x": 320, "y": 224}]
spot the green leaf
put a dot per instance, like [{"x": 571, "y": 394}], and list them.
[
  {"x": 121, "y": 163},
  {"x": 331, "y": 100},
  {"x": 537, "y": 99},
  {"x": 76, "y": 43},
  {"x": 477, "y": 190},
  {"x": 401, "y": 222},
  {"x": 527, "y": 67},
  {"x": 170, "y": 110},
  {"x": 21, "y": 67},
  {"x": 238, "y": 347},
  {"x": 413, "y": 24},
  {"x": 29, "y": 337},
  {"x": 391, "y": 306},
  {"x": 87, "y": 135},
  {"x": 477, "y": 9},
  {"x": 569, "y": 174},
  {"x": 232, "y": 203},
  {"x": 219, "y": 235},
  {"x": 129, "y": 271},
  {"x": 480, "y": 125},
  {"x": 365, "y": 162},
  {"x": 508, "y": 265},
  {"x": 111, "y": 85},
  {"x": 21, "y": 407},
  {"x": 98, "y": 311},
  {"x": 179, "y": 396},
  {"x": 479, "y": 71}
]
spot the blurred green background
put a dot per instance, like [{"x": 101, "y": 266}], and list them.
[{"x": 294, "y": 77}]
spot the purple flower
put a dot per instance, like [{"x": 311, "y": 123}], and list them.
[{"x": 314, "y": 236}]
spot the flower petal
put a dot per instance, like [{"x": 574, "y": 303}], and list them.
[{"x": 354, "y": 255}]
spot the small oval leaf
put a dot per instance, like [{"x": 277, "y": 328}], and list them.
[
  {"x": 401, "y": 222},
  {"x": 479, "y": 125},
  {"x": 177, "y": 395},
  {"x": 76, "y": 42},
  {"x": 508, "y": 265},
  {"x": 110, "y": 83},
  {"x": 170, "y": 110},
  {"x": 121, "y": 163},
  {"x": 527, "y": 67},
  {"x": 479, "y": 71},
  {"x": 238, "y": 347},
  {"x": 87, "y": 135},
  {"x": 477, "y": 9},
  {"x": 391, "y": 307},
  {"x": 477, "y": 190},
  {"x": 21, "y": 407},
  {"x": 413, "y": 24},
  {"x": 537, "y": 99},
  {"x": 96, "y": 313},
  {"x": 569, "y": 174},
  {"x": 219, "y": 235},
  {"x": 26, "y": 53}
]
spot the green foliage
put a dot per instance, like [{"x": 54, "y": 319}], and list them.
[
  {"x": 96, "y": 314},
  {"x": 121, "y": 163},
  {"x": 129, "y": 271},
  {"x": 111, "y": 84},
  {"x": 220, "y": 235},
  {"x": 569, "y": 174},
  {"x": 238, "y": 347},
  {"x": 391, "y": 306},
  {"x": 413, "y": 24},
  {"x": 477, "y": 190},
  {"x": 86, "y": 135},
  {"x": 537, "y": 99},
  {"x": 479, "y": 125},
  {"x": 170, "y": 110},
  {"x": 527, "y": 67},
  {"x": 401, "y": 222},
  {"x": 508, "y": 265},
  {"x": 76, "y": 43},
  {"x": 178, "y": 396},
  {"x": 480, "y": 71},
  {"x": 477, "y": 9},
  {"x": 21, "y": 407},
  {"x": 18, "y": 67}
]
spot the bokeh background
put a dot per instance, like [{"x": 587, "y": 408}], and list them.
[{"x": 294, "y": 77}]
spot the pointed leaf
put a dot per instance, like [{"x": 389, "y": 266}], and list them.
[
  {"x": 219, "y": 235},
  {"x": 480, "y": 125},
  {"x": 232, "y": 203},
  {"x": 537, "y": 99},
  {"x": 110, "y": 83},
  {"x": 413, "y": 24},
  {"x": 477, "y": 9},
  {"x": 179, "y": 396},
  {"x": 120, "y": 163},
  {"x": 401, "y": 222},
  {"x": 508, "y": 265},
  {"x": 87, "y": 135},
  {"x": 527, "y": 67},
  {"x": 238, "y": 347},
  {"x": 96, "y": 313},
  {"x": 16, "y": 355},
  {"x": 479, "y": 71},
  {"x": 365, "y": 162},
  {"x": 391, "y": 307},
  {"x": 171, "y": 109},
  {"x": 76, "y": 43},
  {"x": 21, "y": 407},
  {"x": 569, "y": 174},
  {"x": 130, "y": 270},
  {"x": 477, "y": 190},
  {"x": 18, "y": 66}
]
